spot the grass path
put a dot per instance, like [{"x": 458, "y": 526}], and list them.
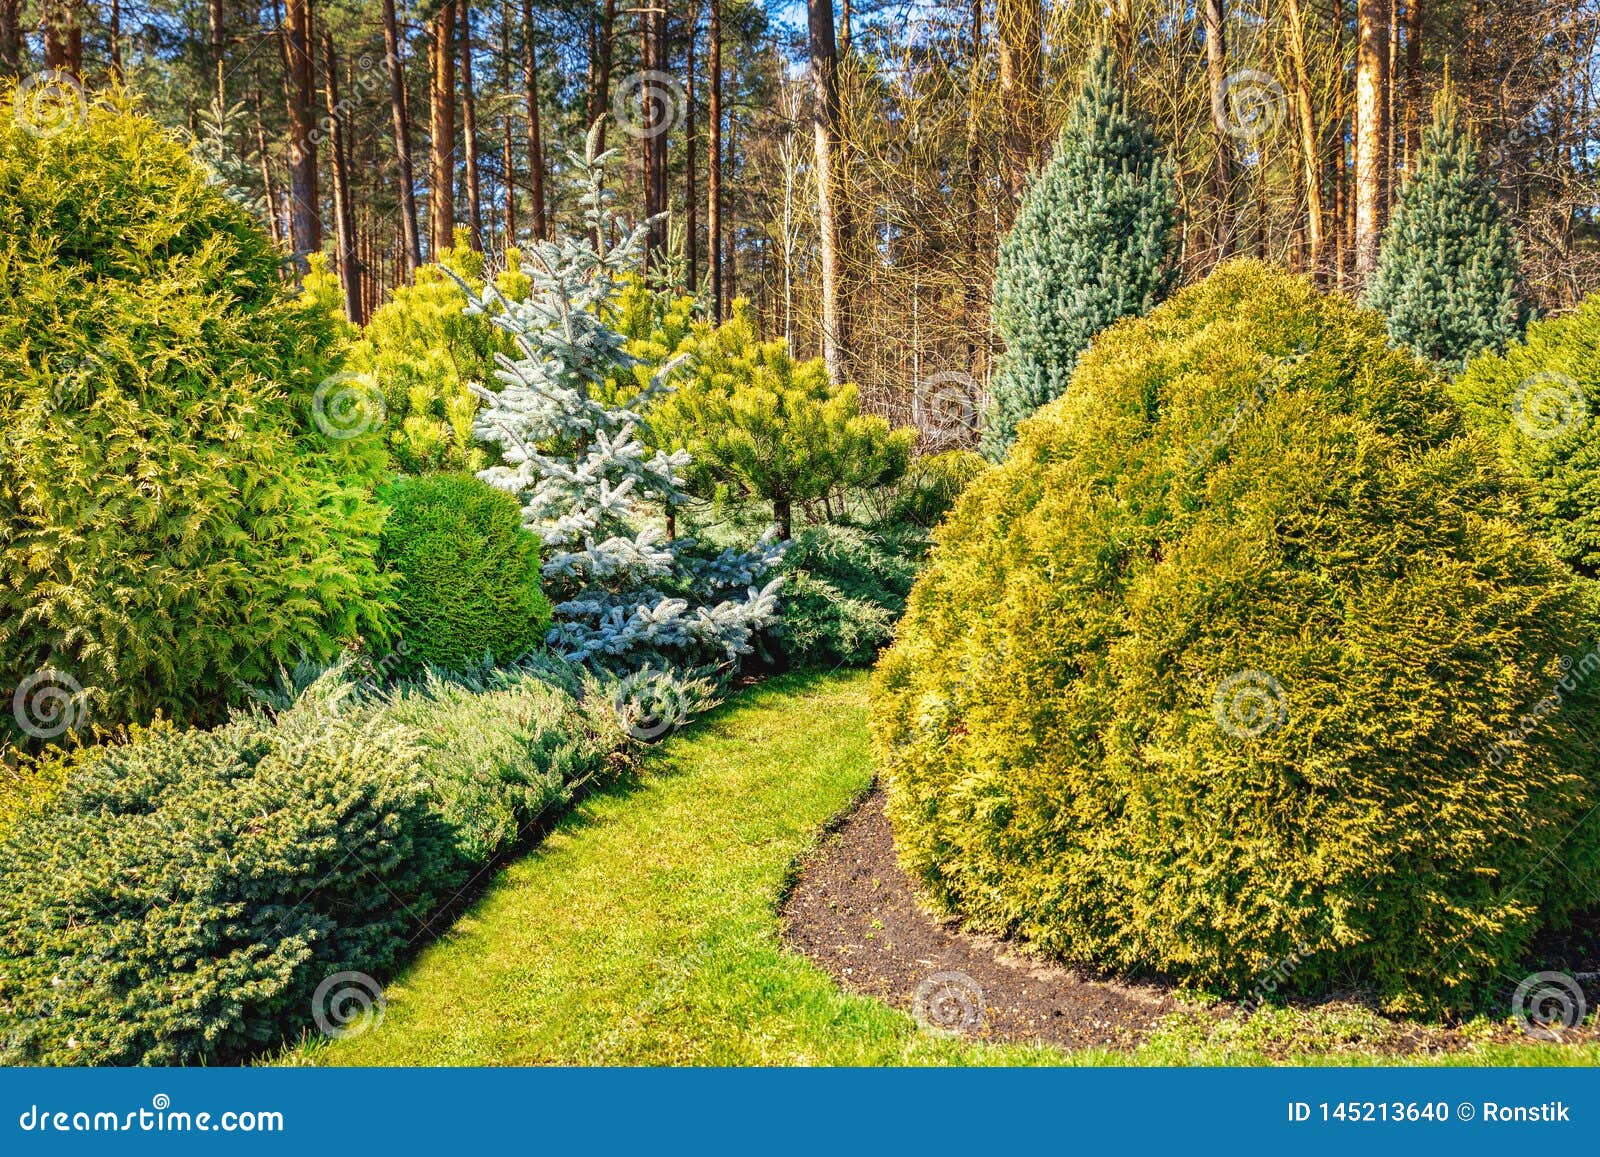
[{"x": 644, "y": 931}]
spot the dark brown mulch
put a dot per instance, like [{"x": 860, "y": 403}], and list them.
[{"x": 854, "y": 911}]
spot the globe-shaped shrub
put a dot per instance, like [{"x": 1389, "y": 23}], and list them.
[
  {"x": 1540, "y": 402},
  {"x": 173, "y": 522},
  {"x": 467, "y": 572},
  {"x": 1247, "y": 668}
]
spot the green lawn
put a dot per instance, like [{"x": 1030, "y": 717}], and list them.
[{"x": 644, "y": 929}]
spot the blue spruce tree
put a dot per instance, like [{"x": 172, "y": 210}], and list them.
[
  {"x": 1092, "y": 243},
  {"x": 1447, "y": 273}
]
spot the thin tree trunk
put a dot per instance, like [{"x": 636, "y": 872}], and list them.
[
  {"x": 114, "y": 38},
  {"x": 714, "y": 164},
  {"x": 530, "y": 78},
  {"x": 10, "y": 37},
  {"x": 509, "y": 164},
  {"x": 825, "y": 131},
  {"x": 1372, "y": 85},
  {"x": 691, "y": 145},
  {"x": 1414, "y": 14},
  {"x": 1019, "y": 29},
  {"x": 972, "y": 289},
  {"x": 1217, "y": 81},
  {"x": 343, "y": 204},
  {"x": 215, "y": 15},
  {"x": 267, "y": 183},
  {"x": 305, "y": 219},
  {"x": 469, "y": 133},
  {"x": 1310, "y": 145},
  {"x": 600, "y": 64},
  {"x": 411, "y": 242},
  {"x": 442, "y": 131}
]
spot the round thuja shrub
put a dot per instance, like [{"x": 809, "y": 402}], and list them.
[
  {"x": 174, "y": 523},
  {"x": 1247, "y": 668},
  {"x": 467, "y": 573},
  {"x": 1540, "y": 403}
]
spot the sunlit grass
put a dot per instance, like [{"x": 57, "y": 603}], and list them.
[{"x": 644, "y": 930}]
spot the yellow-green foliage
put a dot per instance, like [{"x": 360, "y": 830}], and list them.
[
  {"x": 763, "y": 424},
  {"x": 421, "y": 349},
  {"x": 1242, "y": 665},
  {"x": 1540, "y": 402},
  {"x": 172, "y": 521}
]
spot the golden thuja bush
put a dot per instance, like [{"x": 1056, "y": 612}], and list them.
[{"x": 1248, "y": 661}]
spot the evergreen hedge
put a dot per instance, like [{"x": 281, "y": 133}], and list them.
[
  {"x": 184, "y": 895},
  {"x": 173, "y": 524},
  {"x": 467, "y": 573},
  {"x": 1539, "y": 402},
  {"x": 1249, "y": 654}
]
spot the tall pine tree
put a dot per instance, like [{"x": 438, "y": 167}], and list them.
[
  {"x": 1447, "y": 273},
  {"x": 1092, "y": 243}
]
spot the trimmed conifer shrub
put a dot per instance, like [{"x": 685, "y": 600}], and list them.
[
  {"x": 200, "y": 896},
  {"x": 1447, "y": 270},
  {"x": 173, "y": 522},
  {"x": 845, "y": 587},
  {"x": 1092, "y": 243},
  {"x": 467, "y": 573},
  {"x": 1539, "y": 401},
  {"x": 1249, "y": 653}
]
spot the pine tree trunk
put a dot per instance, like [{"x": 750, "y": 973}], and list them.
[
  {"x": 214, "y": 24},
  {"x": 61, "y": 24},
  {"x": 783, "y": 514},
  {"x": 825, "y": 130},
  {"x": 114, "y": 39},
  {"x": 442, "y": 130},
  {"x": 530, "y": 77},
  {"x": 508, "y": 165},
  {"x": 10, "y": 37},
  {"x": 305, "y": 219},
  {"x": 268, "y": 185},
  {"x": 411, "y": 242},
  {"x": 972, "y": 288},
  {"x": 1372, "y": 86},
  {"x": 1414, "y": 13},
  {"x": 1019, "y": 28},
  {"x": 1217, "y": 82},
  {"x": 343, "y": 203},
  {"x": 600, "y": 66},
  {"x": 1310, "y": 145},
  {"x": 469, "y": 134},
  {"x": 691, "y": 145},
  {"x": 714, "y": 164}
]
